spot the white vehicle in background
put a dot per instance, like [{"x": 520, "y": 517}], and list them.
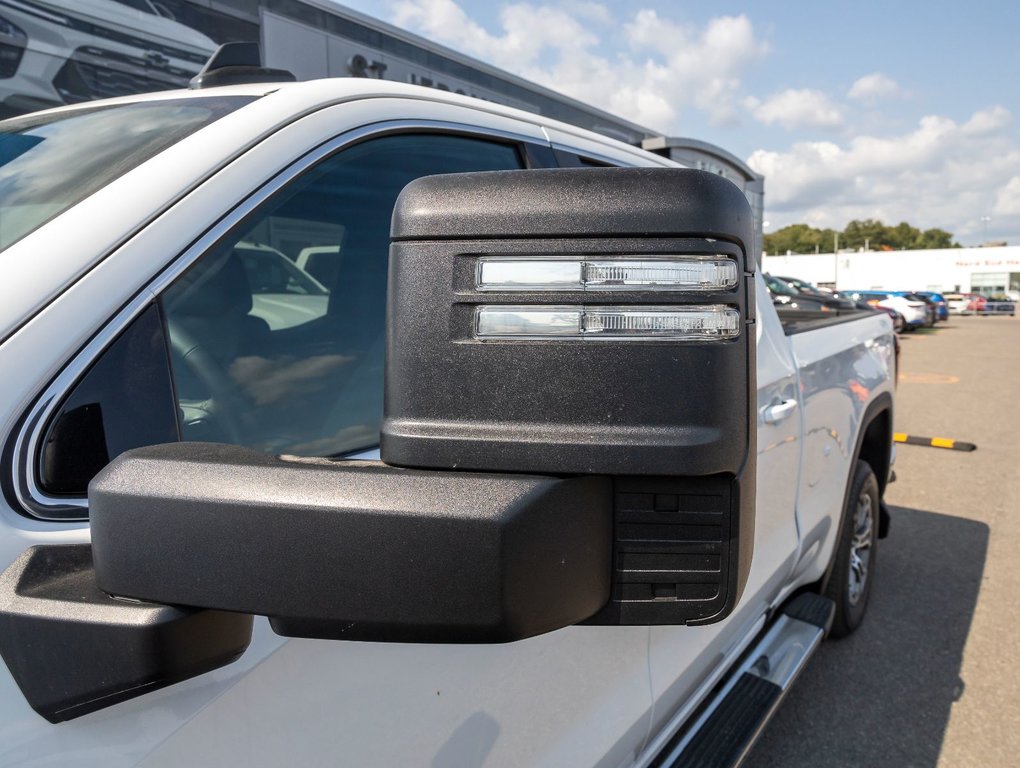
[
  {"x": 957, "y": 303},
  {"x": 913, "y": 312},
  {"x": 547, "y": 482},
  {"x": 55, "y": 52},
  {"x": 283, "y": 294}
]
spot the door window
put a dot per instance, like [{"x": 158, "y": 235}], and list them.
[
  {"x": 277, "y": 333},
  {"x": 123, "y": 401},
  {"x": 275, "y": 336}
]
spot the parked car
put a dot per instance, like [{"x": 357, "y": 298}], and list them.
[
  {"x": 787, "y": 301},
  {"x": 956, "y": 303},
  {"x": 941, "y": 305},
  {"x": 786, "y": 295},
  {"x": 551, "y": 543},
  {"x": 808, "y": 289},
  {"x": 914, "y": 312},
  {"x": 998, "y": 305},
  {"x": 899, "y": 325},
  {"x": 975, "y": 304},
  {"x": 844, "y": 302},
  {"x": 930, "y": 308}
]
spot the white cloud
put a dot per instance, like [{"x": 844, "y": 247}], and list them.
[
  {"x": 1007, "y": 201},
  {"x": 941, "y": 174},
  {"x": 874, "y": 87},
  {"x": 799, "y": 108},
  {"x": 527, "y": 30},
  {"x": 988, "y": 121},
  {"x": 669, "y": 66}
]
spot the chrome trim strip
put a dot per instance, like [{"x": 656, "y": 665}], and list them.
[
  {"x": 26, "y": 446},
  {"x": 612, "y": 160}
]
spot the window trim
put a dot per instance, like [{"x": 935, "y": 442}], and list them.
[{"x": 33, "y": 501}]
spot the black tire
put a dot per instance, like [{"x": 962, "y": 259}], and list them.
[{"x": 849, "y": 587}]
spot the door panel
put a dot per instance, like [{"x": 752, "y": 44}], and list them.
[
  {"x": 682, "y": 658},
  {"x": 541, "y": 701},
  {"x": 835, "y": 389},
  {"x": 577, "y": 695}
]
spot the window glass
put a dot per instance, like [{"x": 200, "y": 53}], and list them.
[
  {"x": 567, "y": 159},
  {"x": 52, "y": 161},
  {"x": 124, "y": 401},
  {"x": 277, "y": 333}
]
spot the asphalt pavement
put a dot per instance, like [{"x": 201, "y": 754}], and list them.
[{"x": 932, "y": 678}]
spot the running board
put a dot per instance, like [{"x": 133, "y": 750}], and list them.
[{"x": 734, "y": 718}]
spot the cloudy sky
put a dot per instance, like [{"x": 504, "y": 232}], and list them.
[{"x": 896, "y": 110}]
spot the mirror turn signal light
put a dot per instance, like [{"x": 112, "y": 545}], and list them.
[
  {"x": 633, "y": 273},
  {"x": 714, "y": 322}
]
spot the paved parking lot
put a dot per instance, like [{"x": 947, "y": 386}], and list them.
[{"x": 933, "y": 677}]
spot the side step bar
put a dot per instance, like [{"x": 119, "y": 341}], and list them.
[{"x": 734, "y": 718}]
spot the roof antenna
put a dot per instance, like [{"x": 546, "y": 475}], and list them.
[{"x": 236, "y": 63}]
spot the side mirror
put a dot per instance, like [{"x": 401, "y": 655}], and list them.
[
  {"x": 568, "y": 436},
  {"x": 589, "y": 322}
]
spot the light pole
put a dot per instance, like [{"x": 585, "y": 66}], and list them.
[
  {"x": 835, "y": 261},
  {"x": 984, "y": 236}
]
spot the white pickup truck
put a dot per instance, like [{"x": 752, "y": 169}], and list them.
[{"x": 618, "y": 500}]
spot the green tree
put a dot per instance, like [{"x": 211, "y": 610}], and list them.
[
  {"x": 903, "y": 237},
  {"x": 937, "y": 238},
  {"x": 869, "y": 233},
  {"x": 798, "y": 238},
  {"x": 859, "y": 233}
]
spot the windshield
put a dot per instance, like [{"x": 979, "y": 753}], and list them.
[{"x": 50, "y": 162}]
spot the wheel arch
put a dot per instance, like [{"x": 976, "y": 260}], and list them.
[
  {"x": 875, "y": 441},
  {"x": 874, "y": 447}
]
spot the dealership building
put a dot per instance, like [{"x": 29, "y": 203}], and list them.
[
  {"x": 65, "y": 51},
  {"x": 988, "y": 271}
]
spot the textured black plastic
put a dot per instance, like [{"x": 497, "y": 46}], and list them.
[
  {"x": 674, "y": 553},
  {"x": 353, "y": 550},
  {"x": 727, "y": 735},
  {"x": 574, "y": 202},
  {"x": 627, "y": 409},
  {"x": 812, "y": 608},
  {"x": 598, "y": 407},
  {"x": 73, "y": 649}
]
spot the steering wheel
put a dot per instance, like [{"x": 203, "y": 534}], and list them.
[{"x": 225, "y": 404}]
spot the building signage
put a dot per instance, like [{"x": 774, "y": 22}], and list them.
[
  {"x": 360, "y": 65},
  {"x": 988, "y": 262}
]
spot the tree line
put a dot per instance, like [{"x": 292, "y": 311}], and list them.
[{"x": 869, "y": 233}]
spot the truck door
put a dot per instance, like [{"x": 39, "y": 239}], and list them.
[
  {"x": 684, "y": 658},
  {"x": 265, "y": 356}
]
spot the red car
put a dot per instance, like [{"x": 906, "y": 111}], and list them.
[{"x": 977, "y": 302}]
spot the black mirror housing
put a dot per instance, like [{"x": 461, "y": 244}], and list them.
[
  {"x": 583, "y": 403},
  {"x": 352, "y": 550},
  {"x": 592, "y": 322},
  {"x": 73, "y": 649}
]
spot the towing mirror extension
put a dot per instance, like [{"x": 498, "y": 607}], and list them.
[{"x": 568, "y": 438}]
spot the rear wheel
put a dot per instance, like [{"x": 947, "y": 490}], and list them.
[{"x": 853, "y": 571}]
